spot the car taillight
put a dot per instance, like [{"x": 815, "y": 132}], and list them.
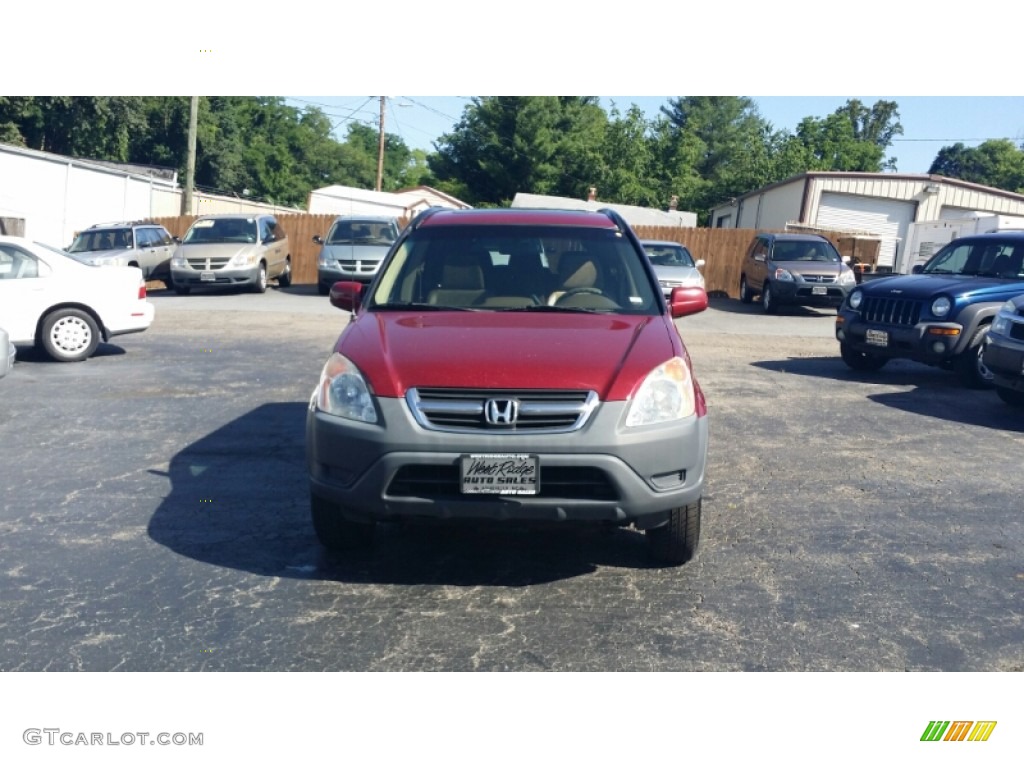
[{"x": 142, "y": 290}]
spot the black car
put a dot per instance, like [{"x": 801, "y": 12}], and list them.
[
  {"x": 939, "y": 315},
  {"x": 1003, "y": 353}
]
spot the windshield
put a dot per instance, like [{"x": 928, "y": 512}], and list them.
[
  {"x": 101, "y": 240},
  {"x": 221, "y": 231},
  {"x": 668, "y": 255},
  {"x": 354, "y": 231},
  {"x": 805, "y": 251},
  {"x": 977, "y": 258},
  {"x": 525, "y": 268}
]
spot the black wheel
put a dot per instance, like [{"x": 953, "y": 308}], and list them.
[
  {"x": 768, "y": 303},
  {"x": 746, "y": 296},
  {"x": 1011, "y": 396},
  {"x": 860, "y": 361},
  {"x": 260, "y": 286},
  {"x": 334, "y": 531},
  {"x": 285, "y": 278},
  {"x": 969, "y": 365},
  {"x": 676, "y": 542},
  {"x": 69, "y": 335},
  {"x": 323, "y": 289}
]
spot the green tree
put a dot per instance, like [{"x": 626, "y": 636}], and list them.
[
  {"x": 508, "y": 144},
  {"x": 995, "y": 163}
]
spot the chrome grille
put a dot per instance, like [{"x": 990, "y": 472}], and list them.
[
  {"x": 535, "y": 410},
  {"x": 891, "y": 311},
  {"x": 358, "y": 267},
  {"x": 208, "y": 263},
  {"x": 819, "y": 278}
]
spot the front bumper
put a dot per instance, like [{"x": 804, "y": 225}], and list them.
[
  {"x": 216, "y": 277},
  {"x": 600, "y": 473},
  {"x": 1005, "y": 358},
  {"x": 908, "y": 342},
  {"x": 804, "y": 293}
]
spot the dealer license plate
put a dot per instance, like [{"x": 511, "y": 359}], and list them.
[
  {"x": 208, "y": 277},
  {"x": 877, "y": 338},
  {"x": 504, "y": 473},
  {"x": 819, "y": 290}
]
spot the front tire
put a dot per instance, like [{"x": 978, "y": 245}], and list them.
[
  {"x": 70, "y": 335},
  {"x": 768, "y": 303},
  {"x": 745, "y": 294},
  {"x": 260, "y": 285},
  {"x": 860, "y": 361},
  {"x": 335, "y": 532},
  {"x": 970, "y": 367},
  {"x": 676, "y": 542}
]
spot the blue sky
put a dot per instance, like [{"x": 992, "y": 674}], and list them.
[{"x": 929, "y": 122}]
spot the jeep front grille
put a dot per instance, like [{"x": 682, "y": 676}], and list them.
[
  {"x": 891, "y": 311},
  {"x": 533, "y": 410}
]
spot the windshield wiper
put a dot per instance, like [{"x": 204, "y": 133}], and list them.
[
  {"x": 549, "y": 308},
  {"x": 407, "y": 305}
]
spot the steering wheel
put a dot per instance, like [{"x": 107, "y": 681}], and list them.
[{"x": 581, "y": 289}]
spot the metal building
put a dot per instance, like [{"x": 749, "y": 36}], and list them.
[{"x": 885, "y": 205}]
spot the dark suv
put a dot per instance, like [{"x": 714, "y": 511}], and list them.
[
  {"x": 1004, "y": 352},
  {"x": 789, "y": 268},
  {"x": 940, "y": 314},
  {"x": 511, "y": 365}
]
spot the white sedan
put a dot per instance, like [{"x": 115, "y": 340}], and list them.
[
  {"x": 6, "y": 353},
  {"x": 49, "y": 299}
]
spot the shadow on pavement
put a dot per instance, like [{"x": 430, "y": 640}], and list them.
[{"x": 239, "y": 499}]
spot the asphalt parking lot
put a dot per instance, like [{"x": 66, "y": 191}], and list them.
[{"x": 154, "y": 516}]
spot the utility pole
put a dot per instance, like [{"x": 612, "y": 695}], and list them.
[
  {"x": 190, "y": 164},
  {"x": 380, "y": 148}
]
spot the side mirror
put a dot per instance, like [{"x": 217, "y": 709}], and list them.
[
  {"x": 759, "y": 257},
  {"x": 317, "y": 240},
  {"x": 918, "y": 269},
  {"x": 347, "y": 295},
  {"x": 846, "y": 259},
  {"x": 687, "y": 300},
  {"x": 700, "y": 263}
]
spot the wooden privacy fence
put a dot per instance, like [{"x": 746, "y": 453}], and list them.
[{"x": 722, "y": 249}]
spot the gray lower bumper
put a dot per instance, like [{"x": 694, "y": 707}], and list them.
[{"x": 601, "y": 473}]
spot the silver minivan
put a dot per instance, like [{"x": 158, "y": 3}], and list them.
[
  {"x": 353, "y": 249},
  {"x": 232, "y": 249}
]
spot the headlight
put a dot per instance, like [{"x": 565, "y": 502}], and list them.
[
  {"x": 1001, "y": 322},
  {"x": 941, "y": 306},
  {"x": 342, "y": 391},
  {"x": 783, "y": 274},
  {"x": 846, "y": 277},
  {"x": 665, "y": 395},
  {"x": 178, "y": 260},
  {"x": 243, "y": 259},
  {"x": 855, "y": 299}
]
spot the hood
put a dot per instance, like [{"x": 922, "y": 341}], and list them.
[
  {"x": 353, "y": 252},
  {"x": 677, "y": 273},
  {"x": 118, "y": 256},
  {"x": 811, "y": 267},
  {"x": 497, "y": 350},
  {"x": 215, "y": 250},
  {"x": 926, "y": 286}
]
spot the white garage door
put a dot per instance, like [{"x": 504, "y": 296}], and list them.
[{"x": 889, "y": 219}]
